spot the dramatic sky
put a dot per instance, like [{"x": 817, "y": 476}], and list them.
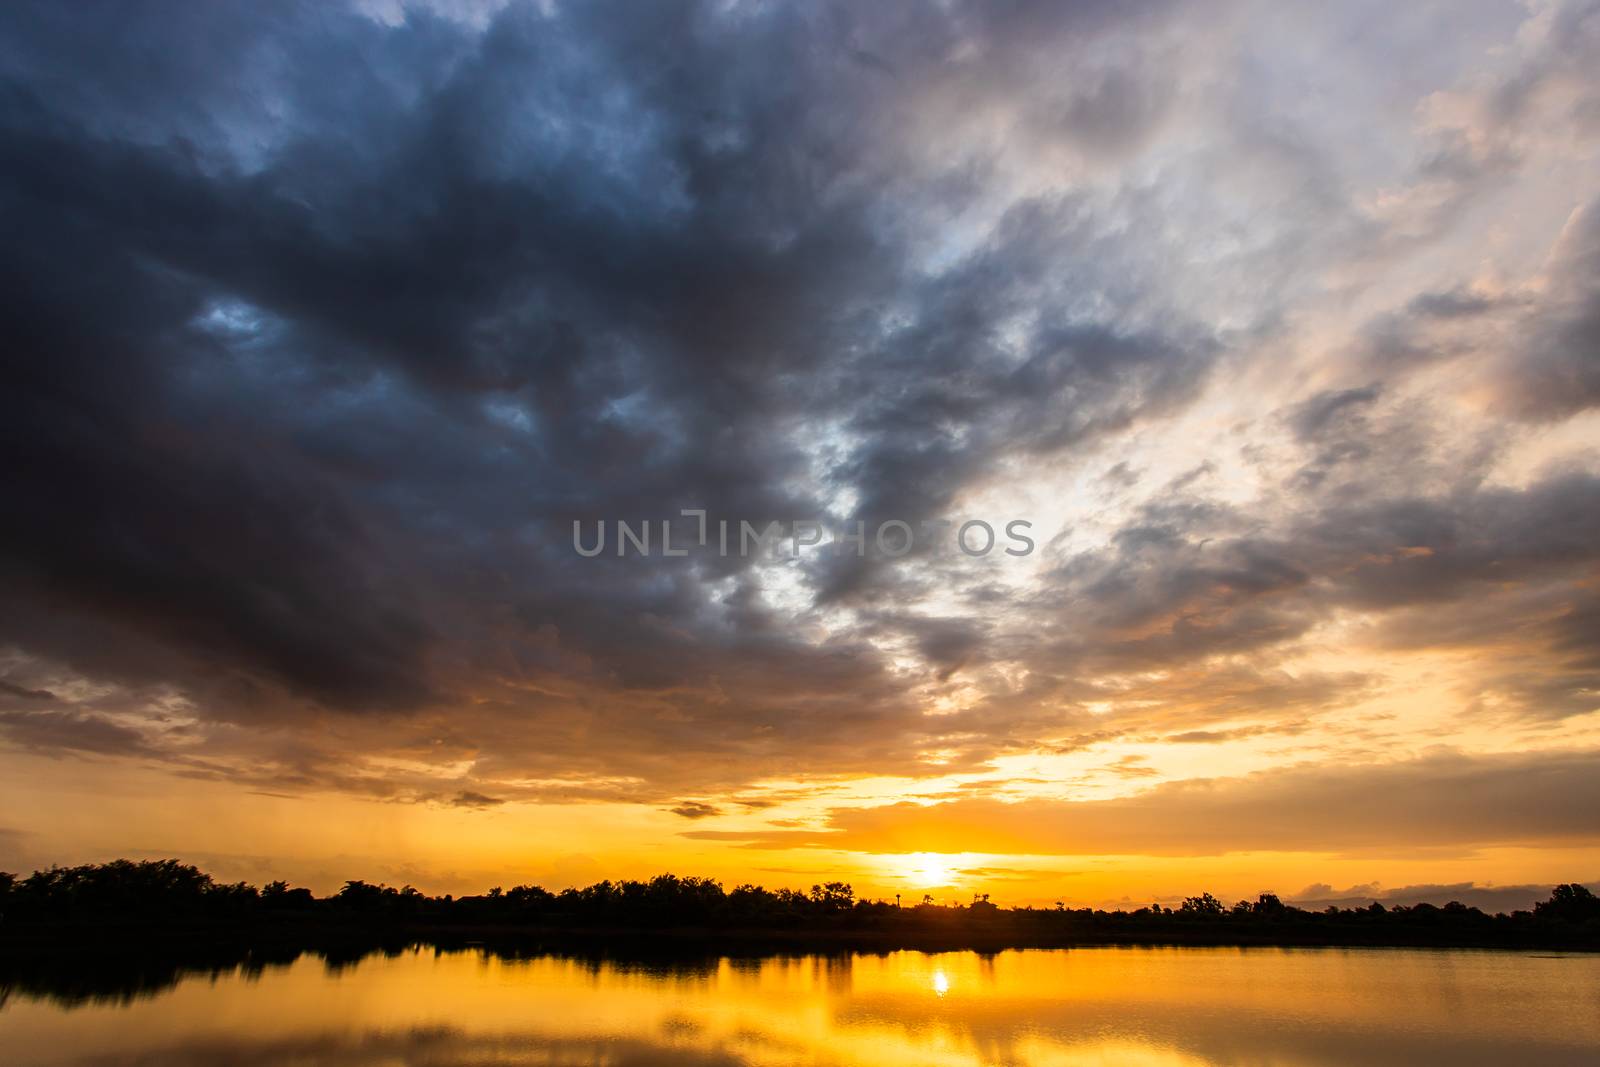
[{"x": 1279, "y": 323}]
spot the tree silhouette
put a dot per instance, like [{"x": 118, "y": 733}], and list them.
[
  {"x": 1203, "y": 905},
  {"x": 1571, "y": 903},
  {"x": 833, "y": 896},
  {"x": 1267, "y": 905},
  {"x": 166, "y": 895}
]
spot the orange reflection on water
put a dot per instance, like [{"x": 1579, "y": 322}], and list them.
[{"x": 1169, "y": 1007}]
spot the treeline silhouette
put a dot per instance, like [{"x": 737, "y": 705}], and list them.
[{"x": 168, "y": 895}]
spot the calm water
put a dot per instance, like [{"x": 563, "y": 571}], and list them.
[{"x": 1113, "y": 1006}]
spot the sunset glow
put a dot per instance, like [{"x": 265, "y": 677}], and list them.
[
  {"x": 926, "y": 870},
  {"x": 398, "y": 396}
]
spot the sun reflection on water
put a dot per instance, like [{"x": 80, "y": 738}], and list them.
[{"x": 1049, "y": 1008}]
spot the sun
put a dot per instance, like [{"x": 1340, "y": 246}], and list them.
[{"x": 927, "y": 870}]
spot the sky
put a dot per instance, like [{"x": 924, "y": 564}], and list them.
[{"x": 1277, "y": 326}]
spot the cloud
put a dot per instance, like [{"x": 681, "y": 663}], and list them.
[
  {"x": 1556, "y": 373},
  {"x": 66, "y": 731},
  {"x": 314, "y": 363},
  {"x": 1494, "y": 899},
  {"x": 1446, "y": 800},
  {"x": 26, "y": 695},
  {"x": 694, "y": 809},
  {"x": 334, "y": 460},
  {"x": 1214, "y": 737},
  {"x": 468, "y": 799},
  {"x": 1312, "y": 417}
]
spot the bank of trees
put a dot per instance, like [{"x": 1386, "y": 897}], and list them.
[{"x": 133, "y": 893}]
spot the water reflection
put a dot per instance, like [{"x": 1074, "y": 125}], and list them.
[{"x": 411, "y": 1005}]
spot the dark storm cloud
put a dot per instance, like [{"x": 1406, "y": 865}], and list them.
[{"x": 326, "y": 329}]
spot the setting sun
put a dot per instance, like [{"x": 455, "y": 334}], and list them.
[{"x": 926, "y": 870}]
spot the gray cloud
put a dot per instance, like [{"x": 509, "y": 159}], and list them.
[
  {"x": 468, "y": 799},
  {"x": 327, "y": 329},
  {"x": 67, "y": 731},
  {"x": 1557, "y": 373},
  {"x": 1494, "y": 899},
  {"x": 695, "y": 809}
]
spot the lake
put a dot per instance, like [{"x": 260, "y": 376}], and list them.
[{"x": 1132, "y": 1007}]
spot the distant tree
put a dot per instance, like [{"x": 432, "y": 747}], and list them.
[
  {"x": 1571, "y": 902},
  {"x": 833, "y": 896},
  {"x": 528, "y": 897},
  {"x": 1268, "y": 905},
  {"x": 1204, "y": 905},
  {"x": 279, "y": 896},
  {"x": 122, "y": 888},
  {"x": 750, "y": 897},
  {"x": 236, "y": 898},
  {"x": 363, "y": 896}
]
